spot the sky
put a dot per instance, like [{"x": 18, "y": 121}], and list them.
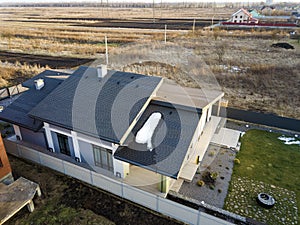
[{"x": 141, "y": 1}]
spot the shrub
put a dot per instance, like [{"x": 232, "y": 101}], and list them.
[
  {"x": 219, "y": 190},
  {"x": 214, "y": 175},
  {"x": 212, "y": 153},
  {"x": 212, "y": 187},
  {"x": 237, "y": 161},
  {"x": 200, "y": 183}
]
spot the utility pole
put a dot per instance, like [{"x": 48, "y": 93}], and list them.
[
  {"x": 106, "y": 50},
  {"x": 153, "y": 7},
  {"x": 165, "y": 33},
  {"x": 194, "y": 23}
]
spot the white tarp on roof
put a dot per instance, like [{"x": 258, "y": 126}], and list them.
[{"x": 144, "y": 135}]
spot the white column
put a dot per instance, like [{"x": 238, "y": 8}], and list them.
[
  {"x": 209, "y": 113},
  {"x": 49, "y": 136},
  {"x": 17, "y": 131},
  {"x": 121, "y": 169},
  {"x": 219, "y": 107},
  {"x": 76, "y": 145}
]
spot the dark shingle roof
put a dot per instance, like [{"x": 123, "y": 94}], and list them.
[
  {"x": 103, "y": 108},
  {"x": 171, "y": 139},
  {"x": 17, "y": 111}
]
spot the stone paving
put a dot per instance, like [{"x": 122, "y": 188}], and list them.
[
  {"x": 241, "y": 199},
  {"x": 218, "y": 160}
]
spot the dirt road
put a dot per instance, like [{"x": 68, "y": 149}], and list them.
[{"x": 42, "y": 60}]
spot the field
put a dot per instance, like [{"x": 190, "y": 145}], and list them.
[
  {"x": 266, "y": 165},
  {"x": 252, "y": 74}
]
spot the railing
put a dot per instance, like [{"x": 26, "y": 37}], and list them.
[
  {"x": 11, "y": 91},
  {"x": 117, "y": 187}
]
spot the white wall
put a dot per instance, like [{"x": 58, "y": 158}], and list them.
[
  {"x": 120, "y": 168},
  {"x": 117, "y": 187},
  {"x": 237, "y": 17}
]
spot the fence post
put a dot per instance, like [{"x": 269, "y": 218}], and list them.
[
  {"x": 199, "y": 217},
  {"x": 91, "y": 174},
  {"x": 19, "y": 152},
  {"x": 157, "y": 205}
]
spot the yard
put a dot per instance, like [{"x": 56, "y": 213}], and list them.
[
  {"x": 66, "y": 200},
  {"x": 266, "y": 165}
]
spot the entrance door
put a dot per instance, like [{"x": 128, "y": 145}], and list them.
[
  {"x": 103, "y": 157},
  {"x": 63, "y": 144}
]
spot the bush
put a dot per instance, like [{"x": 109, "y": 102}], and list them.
[
  {"x": 237, "y": 161},
  {"x": 200, "y": 183},
  {"x": 212, "y": 187},
  {"x": 214, "y": 175},
  {"x": 212, "y": 153},
  {"x": 219, "y": 190}
]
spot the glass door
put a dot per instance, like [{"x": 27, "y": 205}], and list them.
[{"x": 64, "y": 144}]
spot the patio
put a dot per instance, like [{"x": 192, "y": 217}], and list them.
[{"x": 146, "y": 180}]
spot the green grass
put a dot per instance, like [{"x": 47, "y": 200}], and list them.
[{"x": 265, "y": 158}]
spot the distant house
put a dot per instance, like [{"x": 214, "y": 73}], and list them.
[
  {"x": 100, "y": 120},
  {"x": 255, "y": 14},
  {"x": 243, "y": 16},
  {"x": 295, "y": 17},
  {"x": 5, "y": 170}
]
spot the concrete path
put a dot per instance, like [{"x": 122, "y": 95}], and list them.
[{"x": 227, "y": 138}]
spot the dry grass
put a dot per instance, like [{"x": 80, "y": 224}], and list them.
[
  {"x": 15, "y": 73},
  {"x": 267, "y": 79},
  {"x": 253, "y": 75}
]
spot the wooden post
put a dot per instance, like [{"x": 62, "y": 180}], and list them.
[
  {"x": 38, "y": 191},
  {"x": 30, "y": 206}
]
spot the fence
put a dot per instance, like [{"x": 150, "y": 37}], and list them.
[
  {"x": 151, "y": 201},
  {"x": 260, "y": 118}
]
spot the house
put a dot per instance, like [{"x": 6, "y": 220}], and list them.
[
  {"x": 243, "y": 16},
  {"x": 5, "y": 170},
  {"x": 295, "y": 17},
  {"x": 255, "y": 14},
  {"x": 118, "y": 124}
]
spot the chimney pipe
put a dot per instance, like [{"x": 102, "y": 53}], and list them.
[
  {"x": 39, "y": 84},
  {"x": 101, "y": 71}
]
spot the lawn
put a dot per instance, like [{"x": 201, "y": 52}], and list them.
[{"x": 269, "y": 164}]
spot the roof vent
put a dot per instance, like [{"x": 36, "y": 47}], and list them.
[
  {"x": 39, "y": 84},
  {"x": 101, "y": 71}
]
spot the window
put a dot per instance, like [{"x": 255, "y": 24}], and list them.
[
  {"x": 241, "y": 16},
  {"x": 103, "y": 157},
  {"x": 63, "y": 143},
  {"x": 235, "y": 16},
  {"x": 1, "y": 164}
]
